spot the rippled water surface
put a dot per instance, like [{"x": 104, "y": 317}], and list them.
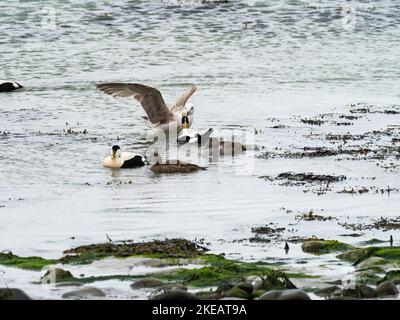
[{"x": 251, "y": 60}]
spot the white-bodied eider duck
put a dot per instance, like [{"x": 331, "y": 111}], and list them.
[
  {"x": 188, "y": 136},
  {"x": 8, "y": 86},
  {"x": 119, "y": 159},
  {"x": 173, "y": 166}
]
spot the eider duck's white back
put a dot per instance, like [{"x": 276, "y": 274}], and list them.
[
  {"x": 119, "y": 159},
  {"x": 8, "y": 86}
]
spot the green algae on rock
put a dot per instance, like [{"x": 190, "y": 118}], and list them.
[
  {"x": 358, "y": 255},
  {"x": 57, "y": 275},
  {"x": 7, "y": 258},
  {"x": 320, "y": 246}
]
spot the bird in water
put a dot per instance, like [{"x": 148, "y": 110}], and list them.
[
  {"x": 8, "y": 86},
  {"x": 225, "y": 148},
  {"x": 119, "y": 159},
  {"x": 159, "y": 116},
  {"x": 173, "y": 166},
  {"x": 188, "y": 136}
]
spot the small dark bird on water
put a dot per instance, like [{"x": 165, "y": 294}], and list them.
[{"x": 286, "y": 248}]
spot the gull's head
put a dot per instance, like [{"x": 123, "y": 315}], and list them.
[
  {"x": 188, "y": 109},
  {"x": 115, "y": 152}
]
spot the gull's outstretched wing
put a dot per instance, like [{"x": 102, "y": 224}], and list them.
[
  {"x": 180, "y": 103},
  {"x": 150, "y": 99}
]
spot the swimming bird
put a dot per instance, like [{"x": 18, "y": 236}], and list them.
[
  {"x": 173, "y": 166},
  {"x": 225, "y": 148},
  {"x": 119, "y": 159},
  {"x": 159, "y": 116},
  {"x": 188, "y": 136},
  {"x": 7, "y": 86}
]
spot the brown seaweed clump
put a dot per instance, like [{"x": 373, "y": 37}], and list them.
[
  {"x": 174, "y": 248},
  {"x": 175, "y": 167}
]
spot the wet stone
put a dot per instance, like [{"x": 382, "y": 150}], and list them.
[
  {"x": 84, "y": 293},
  {"x": 146, "y": 283},
  {"x": 387, "y": 289},
  {"x": 291, "y": 294},
  {"x": 174, "y": 295},
  {"x": 13, "y": 294}
]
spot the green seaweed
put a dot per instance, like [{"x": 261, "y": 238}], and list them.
[
  {"x": 218, "y": 271},
  {"x": 390, "y": 253},
  {"x": 29, "y": 263}
]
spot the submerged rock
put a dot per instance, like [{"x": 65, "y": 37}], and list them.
[
  {"x": 291, "y": 294},
  {"x": 13, "y": 294},
  {"x": 174, "y": 295},
  {"x": 84, "y": 293},
  {"x": 146, "y": 283},
  {"x": 387, "y": 289}
]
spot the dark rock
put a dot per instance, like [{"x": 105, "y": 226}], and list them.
[
  {"x": 147, "y": 283},
  {"x": 174, "y": 295},
  {"x": 328, "y": 291},
  {"x": 13, "y": 294},
  {"x": 84, "y": 293},
  {"x": 368, "y": 292},
  {"x": 386, "y": 289},
  {"x": 246, "y": 286},
  {"x": 291, "y": 294}
]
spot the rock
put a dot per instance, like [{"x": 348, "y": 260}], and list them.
[
  {"x": 387, "y": 289},
  {"x": 328, "y": 291},
  {"x": 13, "y": 294},
  {"x": 291, "y": 294},
  {"x": 237, "y": 293},
  {"x": 323, "y": 246},
  {"x": 84, "y": 293},
  {"x": 246, "y": 286},
  {"x": 147, "y": 283},
  {"x": 368, "y": 292},
  {"x": 257, "y": 293},
  {"x": 174, "y": 286},
  {"x": 371, "y": 262},
  {"x": 56, "y": 275},
  {"x": 174, "y": 295}
]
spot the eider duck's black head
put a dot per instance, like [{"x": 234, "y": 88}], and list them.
[{"x": 115, "y": 151}]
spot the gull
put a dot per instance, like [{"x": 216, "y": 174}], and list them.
[{"x": 159, "y": 116}]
